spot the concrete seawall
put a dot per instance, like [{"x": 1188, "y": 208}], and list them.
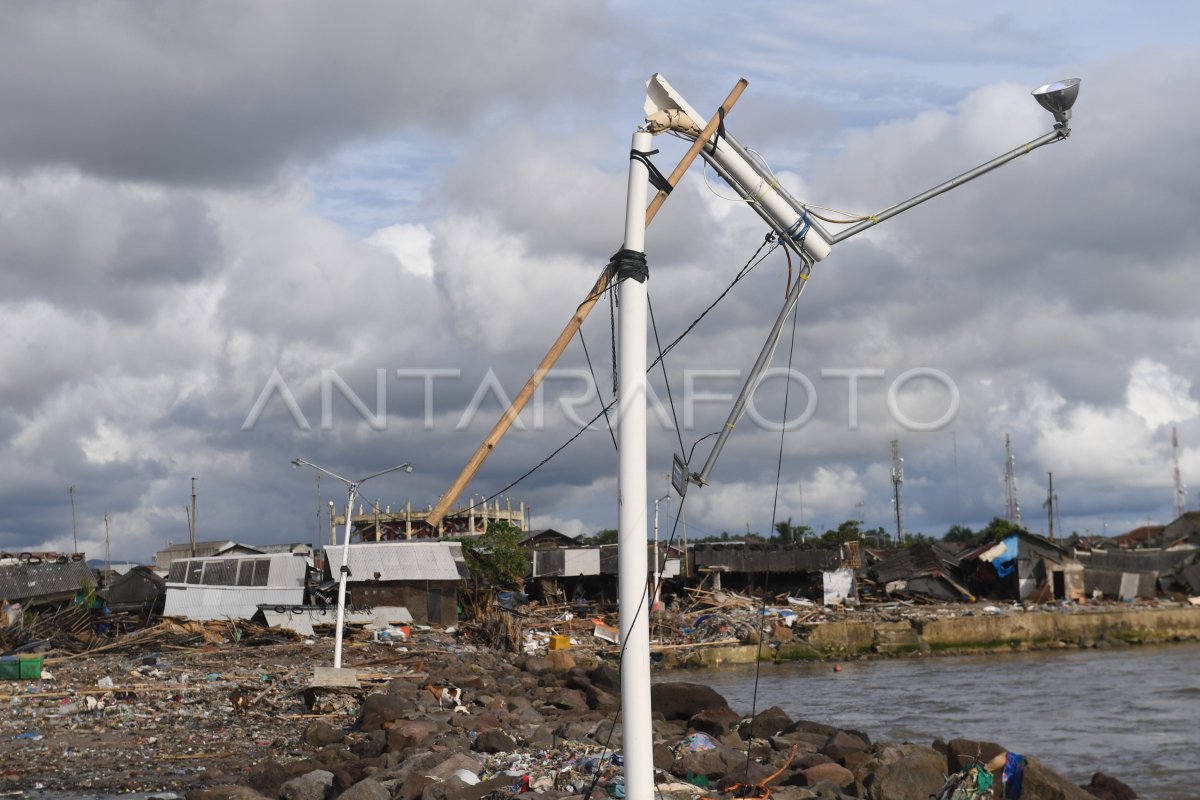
[{"x": 1030, "y": 630}]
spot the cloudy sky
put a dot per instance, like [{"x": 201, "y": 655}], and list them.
[{"x": 234, "y": 234}]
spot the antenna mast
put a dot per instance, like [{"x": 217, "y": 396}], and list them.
[
  {"x": 192, "y": 519},
  {"x": 1012, "y": 509},
  {"x": 1051, "y": 499},
  {"x": 897, "y": 481},
  {"x": 1180, "y": 489}
]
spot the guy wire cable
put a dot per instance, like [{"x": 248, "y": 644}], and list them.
[{"x": 774, "y": 513}]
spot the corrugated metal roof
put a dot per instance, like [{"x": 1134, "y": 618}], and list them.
[
  {"x": 226, "y": 602},
  {"x": 24, "y": 580},
  {"x": 284, "y": 587},
  {"x": 400, "y": 561}
]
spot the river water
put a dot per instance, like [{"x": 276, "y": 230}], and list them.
[{"x": 1133, "y": 712}]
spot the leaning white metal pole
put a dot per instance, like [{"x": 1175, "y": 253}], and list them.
[
  {"x": 345, "y": 572},
  {"x": 638, "y": 741}
]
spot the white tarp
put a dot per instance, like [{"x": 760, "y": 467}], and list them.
[{"x": 839, "y": 584}]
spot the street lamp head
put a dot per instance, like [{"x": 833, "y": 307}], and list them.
[
  {"x": 408, "y": 467},
  {"x": 1057, "y": 98},
  {"x": 295, "y": 463}
]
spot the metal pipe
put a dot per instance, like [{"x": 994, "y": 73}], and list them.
[
  {"x": 799, "y": 207},
  {"x": 637, "y": 730},
  {"x": 1054, "y": 136},
  {"x": 756, "y": 372},
  {"x": 784, "y": 238}
]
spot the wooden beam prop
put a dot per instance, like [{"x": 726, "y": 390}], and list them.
[{"x": 581, "y": 313}]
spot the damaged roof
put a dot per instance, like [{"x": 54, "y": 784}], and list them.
[
  {"x": 744, "y": 557},
  {"x": 24, "y": 580},
  {"x": 401, "y": 561}
]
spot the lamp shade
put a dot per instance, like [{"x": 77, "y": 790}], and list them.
[{"x": 1058, "y": 97}]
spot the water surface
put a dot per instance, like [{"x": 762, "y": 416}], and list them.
[{"x": 1130, "y": 712}]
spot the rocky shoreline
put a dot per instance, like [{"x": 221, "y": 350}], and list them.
[{"x": 231, "y": 721}]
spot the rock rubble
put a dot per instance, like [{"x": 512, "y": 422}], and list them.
[{"x": 540, "y": 725}]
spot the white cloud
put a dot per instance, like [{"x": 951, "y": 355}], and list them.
[
  {"x": 1158, "y": 396},
  {"x": 410, "y": 244}
]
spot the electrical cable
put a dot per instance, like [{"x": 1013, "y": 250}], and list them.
[
  {"x": 757, "y": 258},
  {"x": 662, "y": 362},
  {"x": 596, "y": 383}
]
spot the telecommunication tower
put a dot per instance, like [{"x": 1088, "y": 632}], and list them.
[
  {"x": 1012, "y": 509},
  {"x": 1050, "y": 504},
  {"x": 1180, "y": 489},
  {"x": 897, "y": 481}
]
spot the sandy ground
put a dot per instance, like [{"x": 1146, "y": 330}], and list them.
[{"x": 168, "y": 721}]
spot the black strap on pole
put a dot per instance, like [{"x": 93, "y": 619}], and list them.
[{"x": 657, "y": 179}]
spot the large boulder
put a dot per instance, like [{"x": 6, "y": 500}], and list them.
[
  {"x": 745, "y": 774},
  {"x": 445, "y": 768},
  {"x": 366, "y": 789},
  {"x": 378, "y": 709},
  {"x": 903, "y": 772},
  {"x": 227, "y": 793},
  {"x": 716, "y": 722},
  {"x": 320, "y": 733},
  {"x": 266, "y": 778},
  {"x": 830, "y": 772},
  {"x": 680, "y": 700},
  {"x": 808, "y": 726},
  {"x": 841, "y": 743},
  {"x": 599, "y": 699},
  {"x": 1107, "y": 787},
  {"x": 539, "y": 665},
  {"x": 315, "y": 785},
  {"x": 346, "y": 775},
  {"x": 1042, "y": 783},
  {"x": 567, "y": 700},
  {"x": 405, "y": 733},
  {"x": 605, "y": 677},
  {"x": 710, "y": 764},
  {"x": 494, "y": 741},
  {"x": 766, "y": 724}
]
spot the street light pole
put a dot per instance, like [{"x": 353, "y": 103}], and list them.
[
  {"x": 352, "y": 487},
  {"x": 657, "y": 582}
]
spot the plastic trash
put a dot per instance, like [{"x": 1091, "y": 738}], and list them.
[
  {"x": 697, "y": 742},
  {"x": 466, "y": 776},
  {"x": 105, "y": 682}
]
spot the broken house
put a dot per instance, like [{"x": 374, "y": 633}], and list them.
[
  {"x": 1023, "y": 566},
  {"x": 422, "y": 576},
  {"x": 42, "y": 579},
  {"x": 234, "y": 586},
  {"x": 925, "y": 569},
  {"x": 140, "y": 590},
  {"x": 1183, "y": 533},
  {"x": 1128, "y": 574},
  {"x": 558, "y": 574},
  {"x": 744, "y": 566}
]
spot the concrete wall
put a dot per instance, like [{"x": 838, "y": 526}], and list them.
[{"x": 982, "y": 633}]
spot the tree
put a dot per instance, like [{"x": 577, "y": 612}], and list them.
[
  {"x": 998, "y": 529},
  {"x": 848, "y": 531},
  {"x": 496, "y": 559},
  {"x": 958, "y": 533},
  {"x": 792, "y": 534},
  {"x": 606, "y": 536}
]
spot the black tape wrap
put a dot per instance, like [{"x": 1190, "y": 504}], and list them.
[{"x": 628, "y": 264}]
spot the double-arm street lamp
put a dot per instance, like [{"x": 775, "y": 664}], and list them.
[{"x": 352, "y": 487}]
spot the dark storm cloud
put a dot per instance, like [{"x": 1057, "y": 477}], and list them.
[{"x": 208, "y": 93}]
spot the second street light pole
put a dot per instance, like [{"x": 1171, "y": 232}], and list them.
[{"x": 352, "y": 487}]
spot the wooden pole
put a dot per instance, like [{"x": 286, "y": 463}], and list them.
[{"x": 573, "y": 325}]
